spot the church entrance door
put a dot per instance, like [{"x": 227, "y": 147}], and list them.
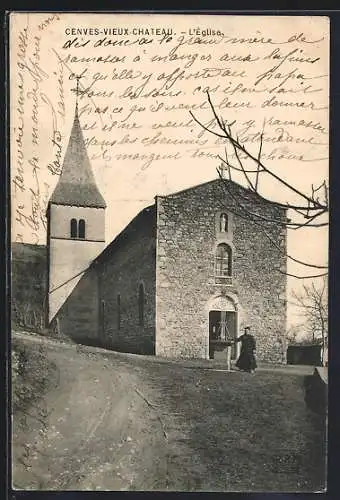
[{"x": 222, "y": 329}]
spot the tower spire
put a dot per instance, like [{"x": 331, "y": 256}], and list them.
[{"x": 76, "y": 185}]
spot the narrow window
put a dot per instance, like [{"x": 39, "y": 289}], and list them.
[
  {"x": 81, "y": 229},
  {"x": 223, "y": 262},
  {"x": 74, "y": 228},
  {"x": 141, "y": 304},
  {"x": 118, "y": 311}
]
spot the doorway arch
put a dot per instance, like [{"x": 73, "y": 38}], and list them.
[{"x": 223, "y": 323}]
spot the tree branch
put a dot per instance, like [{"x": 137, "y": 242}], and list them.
[
  {"x": 282, "y": 205},
  {"x": 289, "y": 225},
  {"x": 236, "y": 144},
  {"x": 300, "y": 277},
  {"x": 270, "y": 238}
]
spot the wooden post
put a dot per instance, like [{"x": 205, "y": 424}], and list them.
[{"x": 229, "y": 357}]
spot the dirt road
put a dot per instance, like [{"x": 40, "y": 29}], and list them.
[
  {"x": 114, "y": 422},
  {"x": 91, "y": 431}
]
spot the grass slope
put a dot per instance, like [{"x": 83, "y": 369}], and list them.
[
  {"x": 28, "y": 285},
  {"x": 144, "y": 425}
]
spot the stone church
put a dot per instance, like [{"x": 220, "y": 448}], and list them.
[{"x": 183, "y": 277}]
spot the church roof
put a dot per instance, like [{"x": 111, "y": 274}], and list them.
[
  {"x": 77, "y": 185},
  {"x": 145, "y": 219}
]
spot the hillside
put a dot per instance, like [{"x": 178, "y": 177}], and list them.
[
  {"x": 100, "y": 420},
  {"x": 29, "y": 283}
]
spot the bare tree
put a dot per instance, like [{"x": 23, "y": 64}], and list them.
[
  {"x": 293, "y": 333},
  {"x": 313, "y": 304},
  {"x": 312, "y": 210}
]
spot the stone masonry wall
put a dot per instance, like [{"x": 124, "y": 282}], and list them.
[
  {"x": 78, "y": 316},
  {"x": 129, "y": 263},
  {"x": 187, "y": 237}
]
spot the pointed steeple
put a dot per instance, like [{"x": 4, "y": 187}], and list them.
[{"x": 77, "y": 185}]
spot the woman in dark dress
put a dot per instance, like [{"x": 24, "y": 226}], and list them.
[{"x": 247, "y": 360}]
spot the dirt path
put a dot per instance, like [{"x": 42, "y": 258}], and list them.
[
  {"x": 121, "y": 422},
  {"x": 92, "y": 431}
]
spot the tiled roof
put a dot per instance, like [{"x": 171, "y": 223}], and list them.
[{"x": 77, "y": 185}]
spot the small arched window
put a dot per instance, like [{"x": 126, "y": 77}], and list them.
[
  {"x": 118, "y": 311},
  {"x": 141, "y": 304},
  {"x": 81, "y": 229},
  {"x": 74, "y": 228},
  {"x": 223, "y": 261},
  {"x": 77, "y": 229}
]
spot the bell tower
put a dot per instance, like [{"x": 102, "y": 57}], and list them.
[{"x": 75, "y": 222}]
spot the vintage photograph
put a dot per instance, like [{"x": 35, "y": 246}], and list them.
[{"x": 169, "y": 251}]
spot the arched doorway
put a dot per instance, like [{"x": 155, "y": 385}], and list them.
[{"x": 223, "y": 326}]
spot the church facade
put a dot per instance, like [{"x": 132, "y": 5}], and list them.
[{"x": 185, "y": 276}]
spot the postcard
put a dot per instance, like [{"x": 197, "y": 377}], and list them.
[{"x": 169, "y": 251}]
